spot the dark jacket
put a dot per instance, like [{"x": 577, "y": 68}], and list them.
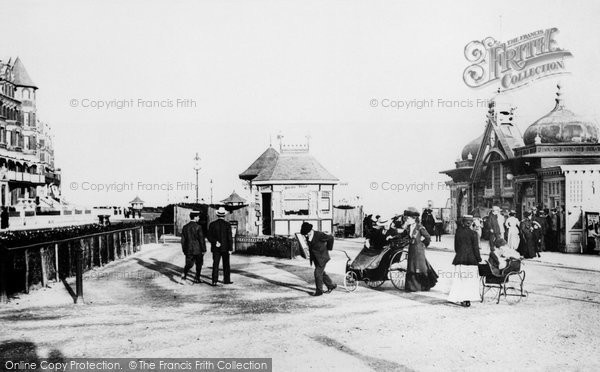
[
  {"x": 428, "y": 221},
  {"x": 4, "y": 219},
  {"x": 192, "y": 239},
  {"x": 494, "y": 223},
  {"x": 220, "y": 231},
  {"x": 466, "y": 246},
  {"x": 319, "y": 247}
]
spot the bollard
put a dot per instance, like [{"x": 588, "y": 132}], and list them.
[
  {"x": 79, "y": 275},
  {"x": 156, "y": 233}
]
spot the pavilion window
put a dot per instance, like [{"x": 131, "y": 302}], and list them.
[
  {"x": 298, "y": 207},
  {"x": 497, "y": 174},
  {"x": 325, "y": 201},
  {"x": 552, "y": 193}
]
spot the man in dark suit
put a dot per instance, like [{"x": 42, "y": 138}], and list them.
[
  {"x": 319, "y": 245},
  {"x": 193, "y": 245},
  {"x": 219, "y": 236}
]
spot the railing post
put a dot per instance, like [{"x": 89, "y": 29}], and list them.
[
  {"x": 100, "y": 250},
  {"x": 120, "y": 239},
  {"x": 56, "y": 262},
  {"x": 43, "y": 264},
  {"x": 79, "y": 274},
  {"x": 131, "y": 242},
  {"x": 26, "y": 252},
  {"x": 115, "y": 257},
  {"x": 3, "y": 276},
  {"x": 70, "y": 270}
]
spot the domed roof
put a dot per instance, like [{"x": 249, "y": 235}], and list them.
[
  {"x": 471, "y": 148},
  {"x": 561, "y": 126}
]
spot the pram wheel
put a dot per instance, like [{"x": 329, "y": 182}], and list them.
[
  {"x": 398, "y": 277},
  {"x": 515, "y": 295},
  {"x": 373, "y": 283},
  {"x": 489, "y": 293},
  {"x": 397, "y": 270},
  {"x": 350, "y": 281}
]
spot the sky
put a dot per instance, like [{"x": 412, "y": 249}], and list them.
[{"x": 250, "y": 70}]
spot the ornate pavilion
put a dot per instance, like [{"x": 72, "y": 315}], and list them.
[{"x": 554, "y": 164}]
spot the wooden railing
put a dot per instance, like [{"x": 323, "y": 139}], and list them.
[{"x": 25, "y": 267}]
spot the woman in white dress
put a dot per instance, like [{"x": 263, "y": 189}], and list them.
[{"x": 512, "y": 225}]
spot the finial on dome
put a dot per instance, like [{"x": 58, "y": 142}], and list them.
[
  {"x": 558, "y": 99},
  {"x": 470, "y": 156},
  {"x": 537, "y": 140}
]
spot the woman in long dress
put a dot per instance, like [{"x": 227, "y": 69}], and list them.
[
  {"x": 528, "y": 245},
  {"x": 512, "y": 225},
  {"x": 420, "y": 276},
  {"x": 465, "y": 279}
]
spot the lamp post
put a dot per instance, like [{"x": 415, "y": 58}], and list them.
[
  {"x": 211, "y": 191},
  {"x": 197, "y": 168}
]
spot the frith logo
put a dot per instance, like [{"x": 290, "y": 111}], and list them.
[{"x": 516, "y": 62}]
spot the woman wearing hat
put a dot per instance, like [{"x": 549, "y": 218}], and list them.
[
  {"x": 528, "y": 245},
  {"x": 420, "y": 276},
  {"x": 512, "y": 224},
  {"x": 465, "y": 279}
]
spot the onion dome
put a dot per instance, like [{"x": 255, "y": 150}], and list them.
[
  {"x": 561, "y": 126},
  {"x": 469, "y": 152}
]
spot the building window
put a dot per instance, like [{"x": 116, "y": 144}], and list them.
[
  {"x": 325, "y": 201},
  {"x": 552, "y": 193},
  {"x": 297, "y": 207}
]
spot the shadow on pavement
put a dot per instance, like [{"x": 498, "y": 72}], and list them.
[
  {"x": 271, "y": 281},
  {"x": 377, "y": 364},
  {"x": 27, "y": 352},
  {"x": 166, "y": 268}
]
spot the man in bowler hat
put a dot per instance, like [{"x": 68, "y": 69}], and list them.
[
  {"x": 319, "y": 245},
  {"x": 193, "y": 245},
  {"x": 219, "y": 236}
]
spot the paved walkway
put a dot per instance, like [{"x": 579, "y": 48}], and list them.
[{"x": 135, "y": 307}]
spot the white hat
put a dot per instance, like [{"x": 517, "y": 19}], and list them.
[{"x": 221, "y": 212}]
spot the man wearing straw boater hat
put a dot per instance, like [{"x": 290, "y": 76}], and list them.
[
  {"x": 319, "y": 245},
  {"x": 219, "y": 236}
]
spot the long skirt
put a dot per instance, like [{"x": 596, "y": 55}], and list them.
[
  {"x": 513, "y": 239},
  {"x": 416, "y": 282},
  {"x": 465, "y": 284}
]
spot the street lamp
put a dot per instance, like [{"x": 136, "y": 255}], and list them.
[
  {"x": 197, "y": 168},
  {"x": 211, "y": 191}
]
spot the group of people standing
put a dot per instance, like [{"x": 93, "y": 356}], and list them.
[
  {"x": 536, "y": 232},
  {"x": 193, "y": 244},
  {"x": 402, "y": 230}
]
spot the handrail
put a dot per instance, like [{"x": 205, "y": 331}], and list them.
[{"x": 80, "y": 237}]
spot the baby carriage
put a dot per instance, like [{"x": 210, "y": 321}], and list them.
[
  {"x": 507, "y": 282},
  {"x": 375, "y": 266}
]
